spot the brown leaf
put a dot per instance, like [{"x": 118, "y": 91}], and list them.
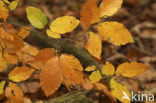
[
  {"x": 44, "y": 55},
  {"x": 72, "y": 69},
  {"x": 23, "y": 33},
  {"x": 90, "y": 13},
  {"x": 51, "y": 76},
  {"x": 99, "y": 86},
  {"x": 11, "y": 58},
  {"x": 14, "y": 93}
]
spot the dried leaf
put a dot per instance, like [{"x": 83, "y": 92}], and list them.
[
  {"x": 36, "y": 17},
  {"x": 72, "y": 69},
  {"x": 36, "y": 65},
  {"x": 14, "y": 93},
  {"x": 5, "y": 35},
  {"x": 95, "y": 76},
  {"x": 108, "y": 69},
  {"x": 99, "y": 86},
  {"x": 11, "y": 58},
  {"x": 131, "y": 69},
  {"x": 87, "y": 85},
  {"x": 19, "y": 74},
  {"x": 64, "y": 24},
  {"x": 4, "y": 12},
  {"x": 44, "y": 55},
  {"x": 17, "y": 43},
  {"x": 23, "y": 33},
  {"x": 119, "y": 91},
  {"x": 51, "y": 76},
  {"x": 71, "y": 62},
  {"x": 115, "y": 33},
  {"x": 90, "y": 68},
  {"x": 2, "y": 83},
  {"x": 90, "y": 13},
  {"x": 52, "y": 34},
  {"x": 3, "y": 63},
  {"x": 29, "y": 49},
  {"x": 110, "y": 7},
  {"x": 94, "y": 45}
]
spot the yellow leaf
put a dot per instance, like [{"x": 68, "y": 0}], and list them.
[
  {"x": 24, "y": 32},
  {"x": 90, "y": 68},
  {"x": 13, "y": 5},
  {"x": 72, "y": 69},
  {"x": 2, "y": 83},
  {"x": 131, "y": 69},
  {"x": 108, "y": 69},
  {"x": 110, "y": 7},
  {"x": 14, "y": 93},
  {"x": 19, "y": 74},
  {"x": 44, "y": 55},
  {"x": 119, "y": 91},
  {"x": 4, "y": 12},
  {"x": 115, "y": 33},
  {"x": 6, "y": 1},
  {"x": 90, "y": 13},
  {"x": 52, "y": 34},
  {"x": 94, "y": 45},
  {"x": 51, "y": 76},
  {"x": 95, "y": 76},
  {"x": 64, "y": 24}
]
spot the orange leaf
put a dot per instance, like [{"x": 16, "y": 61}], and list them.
[
  {"x": 109, "y": 7},
  {"x": 131, "y": 69},
  {"x": 44, "y": 55},
  {"x": 11, "y": 58},
  {"x": 72, "y": 69},
  {"x": 19, "y": 74},
  {"x": 4, "y": 12},
  {"x": 29, "y": 49},
  {"x": 90, "y": 13},
  {"x": 115, "y": 33},
  {"x": 51, "y": 76},
  {"x": 14, "y": 93},
  {"x": 94, "y": 45},
  {"x": 99, "y": 86},
  {"x": 87, "y": 85},
  {"x": 5, "y": 35},
  {"x": 24, "y": 32},
  {"x": 16, "y": 43}
]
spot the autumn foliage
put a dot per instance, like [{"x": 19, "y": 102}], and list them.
[{"x": 55, "y": 68}]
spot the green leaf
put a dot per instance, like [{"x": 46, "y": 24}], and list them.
[
  {"x": 13, "y": 5},
  {"x": 36, "y": 17}
]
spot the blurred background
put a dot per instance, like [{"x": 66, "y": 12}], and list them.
[{"x": 139, "y": 16}]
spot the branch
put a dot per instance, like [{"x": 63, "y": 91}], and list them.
[
  {"x": 44, "y": 41},
  {"x": 72, "y": 97}
]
